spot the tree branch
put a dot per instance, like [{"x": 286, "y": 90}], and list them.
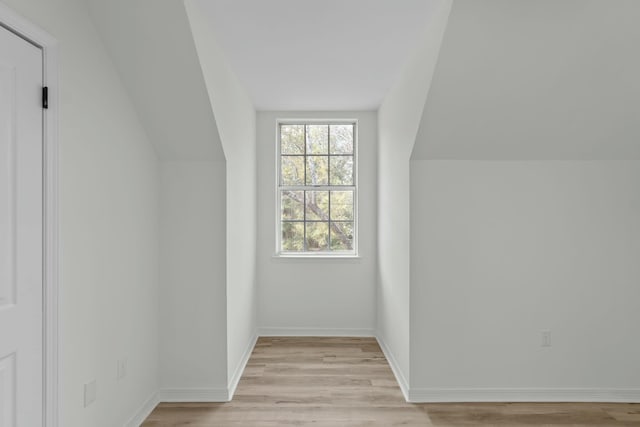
[{"x": 316, "y": 210}]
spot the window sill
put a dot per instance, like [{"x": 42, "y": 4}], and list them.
[{"x": 286, "y": 256}]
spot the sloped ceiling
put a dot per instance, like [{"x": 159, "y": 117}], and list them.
[
  {"x": 536, "y": 79},
  {"x": 152, "y": 47},
  {"x": 318, "y": 55}
]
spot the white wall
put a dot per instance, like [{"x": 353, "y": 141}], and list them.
[
  {"x": 208, "y": 327},
  {"x": 193, "y": 277},
  {"x": 108, "y": 226},
  {"x": 541, "y": 80},
  {"x": 316, "y": 295},
  {"x": 236, "y": 122},
  {"x": 151, "y": 44},
  {"x": 503, "y": 250},
  {"x": 398, "y": 121}
]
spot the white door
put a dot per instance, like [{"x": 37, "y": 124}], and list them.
[{"x": 21, "y": 238}]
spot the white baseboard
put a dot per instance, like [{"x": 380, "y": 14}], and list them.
[
  {"x": 143, "y": 412},
  {"x": 315, "y": 332},
  {"x": 194, "y": 395},
  {"x": 439, "y": 395},
  {"x": 395, "y": 367},
  {"x": 465, "y": 395},
  {"x": 237, "y": 374},
  {"x": 173, "y": 395}
]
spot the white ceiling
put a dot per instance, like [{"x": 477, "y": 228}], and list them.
[{"x": 318, "y": 54}]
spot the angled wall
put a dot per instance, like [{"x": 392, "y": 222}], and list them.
[
  {"x": 537, "y": 80},
  {"x": 525, "y": 208},
  {"x": 152, "y": 47},
  {"x": 398, "y": 121}
]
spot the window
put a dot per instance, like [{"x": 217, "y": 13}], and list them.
[{"x": 317, "y": 188}]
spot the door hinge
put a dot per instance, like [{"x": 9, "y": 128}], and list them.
[{"x": 45, "y": 97}]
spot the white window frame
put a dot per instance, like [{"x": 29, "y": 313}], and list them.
[{"x": 317, "y": 254}]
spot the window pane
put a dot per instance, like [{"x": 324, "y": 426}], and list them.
[
  {"x": 341, "y": 139},
  {"x": 317, "y": 139},
  {"x": 317, "y": 170},
  {"x": 292, "y": 236},
  {"x": 317, "y": 187},
  {"x": 341, "y": 205},
  {"x": 342, "y": 236},
  {"x": 292, "y": 139},
  {"x": 292, "y": 170},
  {"x": 292, "y": 204},
  {"x": 317, "y": 205},
  {"x": 341, "y": 170},
  {"x": 317, "y": 236}
]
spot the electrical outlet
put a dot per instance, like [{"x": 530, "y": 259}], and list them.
[
  {"x": 122, "y": 369},
  {"x": 546, "y": 338},
  {"x": 90, "y": 392}
]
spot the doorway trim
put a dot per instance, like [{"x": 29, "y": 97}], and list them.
[{"x": 50, "y": 328}]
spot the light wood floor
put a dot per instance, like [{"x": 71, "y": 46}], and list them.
[{"x": 347, "y": 382}]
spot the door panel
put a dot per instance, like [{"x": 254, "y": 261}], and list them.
[
  {"x": 21, "y": 238},
  {"x": 7, "y": 390},
  {"x": 7, "y": 188}
]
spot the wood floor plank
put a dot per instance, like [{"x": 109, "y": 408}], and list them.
[{"x": 347, "y": 382}]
